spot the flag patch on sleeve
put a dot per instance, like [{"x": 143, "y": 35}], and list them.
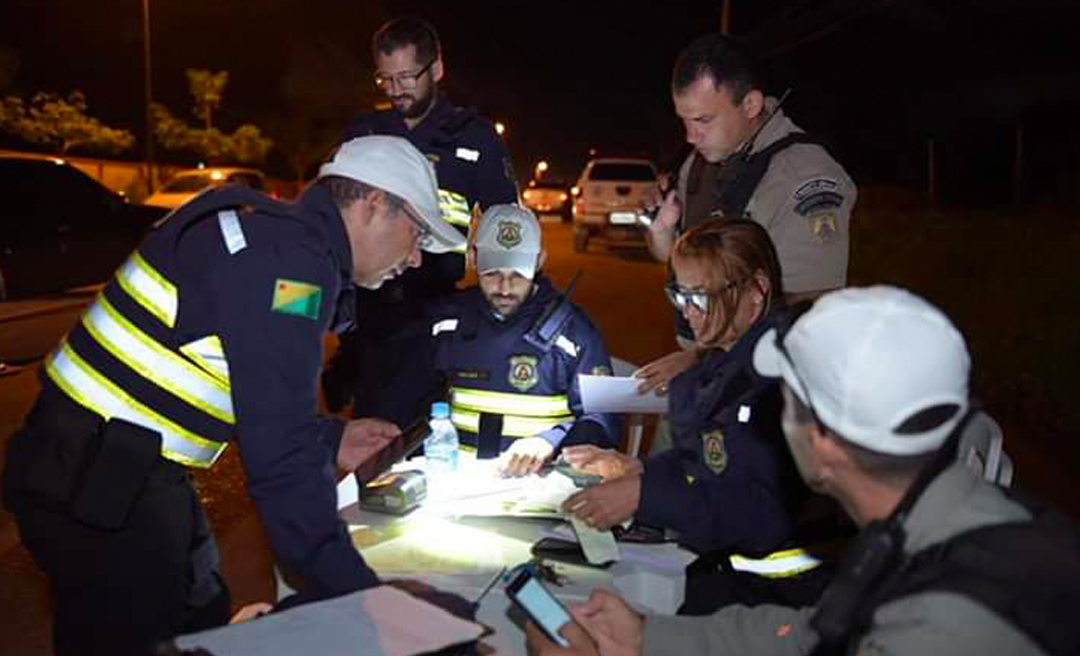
[{"x": 299, "y": 298}]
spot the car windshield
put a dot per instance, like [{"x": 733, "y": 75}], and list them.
[
  {"x": 187, "y": 183},
  {"x": 622, "y": 172}
]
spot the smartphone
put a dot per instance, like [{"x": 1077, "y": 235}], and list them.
[{"x": 541, "y": 606}]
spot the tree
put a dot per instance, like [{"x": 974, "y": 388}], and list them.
[
  {"x": 61, "y": 124},
  {"x": 246, "y": 144},
  {"x": 207, "y": 90}
]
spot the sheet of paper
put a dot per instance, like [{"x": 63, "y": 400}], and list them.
[
  {"x": 382, "y": 621},
  {"x": 616, "y": 394},
  {"x": 599, "y": 546}
]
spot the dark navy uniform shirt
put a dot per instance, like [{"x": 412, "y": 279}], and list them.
[
  {"x": 483, "y": 352},
  {"x": 471, "y": 161},
  {"x": 270, "y": 302},
  {"x": 728, "y": 482}
]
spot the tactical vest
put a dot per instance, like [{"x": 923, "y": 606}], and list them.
[
  {"x": 724, "y": 189},
  {"x": 494, "y": 415},
  {"x": 1027, "y": 573},
  {"x": 123, "y": 359}
]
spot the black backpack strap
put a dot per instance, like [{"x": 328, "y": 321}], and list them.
[
  {"x": 1028, "y": 573},
  {"x": 739, "y": 179}
]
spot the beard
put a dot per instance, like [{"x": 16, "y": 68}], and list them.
[{"x": 419, "y": 106}]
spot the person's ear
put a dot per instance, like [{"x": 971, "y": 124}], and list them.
[
  {"x": 753, "y": 104},
  {"x": 759, "y": 291},
  {"x": 437, "y": 69}
]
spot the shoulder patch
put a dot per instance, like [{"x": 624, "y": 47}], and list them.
[
  {"x": 822, "y": 227},
  {"x": 297, "y": 298},
  {"x": 821, "y": 201},
  {"x": 814, "y": 185}
]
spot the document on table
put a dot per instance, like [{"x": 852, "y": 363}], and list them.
[
  {"x": 618, "y": 394},
  {"x": 382, "y": 621}
]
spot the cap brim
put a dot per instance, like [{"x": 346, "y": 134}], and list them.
[
  {"x": 445, "y": 238},
  {"x": 492, "y": 260},
  {"x": 767, "y": 356}
]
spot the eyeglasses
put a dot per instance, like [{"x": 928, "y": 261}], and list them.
[
  {"x": 681, "y": 297},
  {"x": 403, "y": 80},
  {"x": 424, "y": 238}
]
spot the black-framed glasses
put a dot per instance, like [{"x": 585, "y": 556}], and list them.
[
  {"x": 403, "y": 80},
  {"x": 701, "y": 301}
]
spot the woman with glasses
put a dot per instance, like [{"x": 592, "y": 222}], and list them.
[{"x": 728, "y": 484}]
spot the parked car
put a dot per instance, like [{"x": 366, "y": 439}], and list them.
[
  {"x": 183, "y": 186},
  {"x": 60, "y": 228},
  {"x": 548, "y": 197},
  {"x": 608, "y": 198}
]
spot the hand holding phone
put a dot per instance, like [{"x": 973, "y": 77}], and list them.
[{"x": 547, "y": 612}]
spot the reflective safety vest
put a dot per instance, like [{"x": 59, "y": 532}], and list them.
[
  {"x": 777, "y": 565},
  {"x": 524, "y": 415},
  {"x": 455, "y": 209},
  {"x": 122, "y": 359}
]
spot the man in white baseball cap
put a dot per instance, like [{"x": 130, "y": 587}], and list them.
[
  {"x": 511, "y": 348},
  {"x": 876, "y": 397},
  {"x": 388, "y": 173}
]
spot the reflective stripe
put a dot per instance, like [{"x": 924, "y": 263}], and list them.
[
  {"x": 506, "y": 403},
  {"x": 94, "y": 392},
  {"x": 231, "y": 231},
  {"x": 209, "y": 354},
  {"x": 513, "y": 425},
  {"x": 152, "y": 291},
  {"x": 776, "y": 565},
  {"x": 467, "y": 154},
  {"x": 565, "y": 344},
  {"x": 156, "y": 363},
  {"x": 454, "y": 208},
  {"x": 446, "y": 325}
]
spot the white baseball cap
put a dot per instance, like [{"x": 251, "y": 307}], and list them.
[
  {"x": 395, "y": 165},
  {"x": 508, "y": 237},
  {"x": 867, "y": 359}
]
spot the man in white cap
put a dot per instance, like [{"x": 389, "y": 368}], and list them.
[
  {"x": 876, "y": 395},
  {"x": 213, "y": 330},
  {"x": 510, "y": 350}
]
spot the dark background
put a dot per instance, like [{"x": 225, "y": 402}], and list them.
[{"x": 876, "y": 78}]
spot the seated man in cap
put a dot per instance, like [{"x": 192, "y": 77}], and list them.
[
  {"x": 875, "y": 382},
  {"x": 510, "y": 350}
]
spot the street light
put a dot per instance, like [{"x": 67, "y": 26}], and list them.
[
  {"x": 147, "y": 85},
  {"x": 541, "y": 169},
  {"x": 500, "y": 128}
]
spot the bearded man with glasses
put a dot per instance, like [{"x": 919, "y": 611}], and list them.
[{"x": 474, "y": 172}]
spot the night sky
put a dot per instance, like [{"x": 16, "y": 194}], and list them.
[{"x": 876, "y": 78}]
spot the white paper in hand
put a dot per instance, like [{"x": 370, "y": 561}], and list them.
[{"x": 618, "y": 394}]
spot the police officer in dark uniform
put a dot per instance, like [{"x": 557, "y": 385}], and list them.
[
  {"x": 507, "y": 353},
  {"x": 728, "y": 484},
  {"x": 473, "y": 170},
  {"x": 211, "y": 331}
]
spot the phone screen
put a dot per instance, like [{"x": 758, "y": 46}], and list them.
[{"x": 541, "y": 606}]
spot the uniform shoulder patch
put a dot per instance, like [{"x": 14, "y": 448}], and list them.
[
  {"x": 523, "y": 375},
  {"x": 713, "y": 451},
  {"x": 297, "y": 298}
]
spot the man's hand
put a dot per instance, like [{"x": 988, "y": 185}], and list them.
[
  {"x": 369, "y": 447},
  {"x": 605, "y": 463},
  {"x": 607, "y": 504},
  {"x": 525, "y": 456},
  {"x": 668, "y": 212},
  {"x": 616, "y": 628},
  {"x": 538, "y": 644},
  {"x": 658, "y": 373}
]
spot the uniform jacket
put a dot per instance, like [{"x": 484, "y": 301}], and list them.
[
  {"x": 922, "y": 623},
  {"x": 472, "y": 166},
  {"x": 475, "y": 350},
  {"x": 728, "y": 482},
  {"x": 254, "y": 292},
  {"x": 804, "y": 201}
]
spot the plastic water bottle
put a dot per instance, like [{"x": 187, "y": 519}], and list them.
[{"x": 441, "y": 447}]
